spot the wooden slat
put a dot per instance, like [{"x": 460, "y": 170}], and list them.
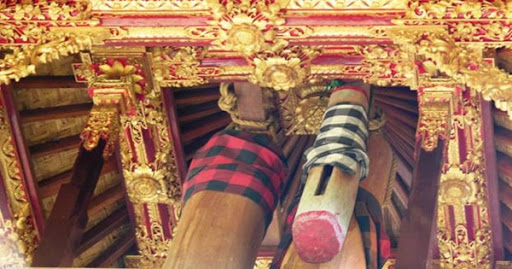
[
  {"x": 505, "y": 194},
  {"x": 407, "y": 106},
  {"x": 104, "y": 228},
  {"x": 50, "y": 113},
  {"x": 67, "y": 143},
  {"x": 506, "y": 216},
  {"x": 203, "y": 127},
  {"x": 408, "y": 119},
  {"x": 114, "y": 252},
  {"x": 105, "y": 199},
  {"x": 405, "y": 172},
  {"x": 49, "y": 187},
  {"x": 48, "y": 82},
  {"x": 505, "y": 168},
  {"x": 196, "y": 98},
  {"x": 501, "y": 119},
  {"x": 503, "y": 140},
  {"x": 397, "y": 93},
  {"x": 199, "y": 114}
]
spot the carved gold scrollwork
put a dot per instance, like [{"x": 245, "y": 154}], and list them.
[
  {"x": 18, "y": 235},
  {"x": 464, "y": 64},
  {"x": 103, "y": 123},
  {"x": 178, "y": 66},
  {"x": 459, "y": 9}
]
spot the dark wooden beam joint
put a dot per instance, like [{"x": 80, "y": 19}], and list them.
[
  {"x": 419, "y": 224},
  {"x": 68, "y": 218}
]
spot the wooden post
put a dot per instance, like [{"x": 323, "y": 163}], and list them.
[
  {"x": 217, "y": 230},
  {"x": 68, "y": 218},
  {"x": 418, "y": 226}
]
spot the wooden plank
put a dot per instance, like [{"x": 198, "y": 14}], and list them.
[
  {"x": 505, "y": 168},
  {"x": 418, "y": 226},
  {"x": 503, "y": 141},
  {"x": 397, "y": 93},
  {"x": 199, "y": 113},
  {"x": 105, "y": 199},
  {"x": 404, "y": 105},
  {"x": 205, "y": 126},
  {"x": 68, "y": 218},
  {"x": 52, "y": 147},
  {"x": 196, "y": 98},
  {"x": 51, "y": 82},
  {"x": 59, "y": 112},
  {"x": 114, "y": 252},
  {"x": 102, "y": 229},
  {"x": 49, "y": 187}
]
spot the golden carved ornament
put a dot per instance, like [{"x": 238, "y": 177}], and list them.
[
  {"x": 463, "y": 189},
  {"x": 263, "y": 262},
  {"x": 322, "y": 5},
  {"x": 43, "y": 11},
  {"x": 286, "y": 68},
  {"x": 189, "y": 7},
  {"x": 464, "y": 64},
  {"x": 435, "y": 110},
  {"x": 457, "y": 187},
  {"x": 18, "y": 235},
  {"x": 459, "y": 9},
  {"x": 21, "y": 62},
  {"x": 177, "y": 66},
  {"x": 302, "y": 108},
  {"x": 103, "y": 123},
  {"x": 147, "y": 185},
  {"x": 246, "y": 26}
]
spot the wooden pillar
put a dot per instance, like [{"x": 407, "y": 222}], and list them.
[
  {"x": 217, "y": 230},
  {"x": 418, "y": 226},
  {"x": 67, "y": 221}
]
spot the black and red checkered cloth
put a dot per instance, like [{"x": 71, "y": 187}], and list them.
[{"x": 239, "y": 163}]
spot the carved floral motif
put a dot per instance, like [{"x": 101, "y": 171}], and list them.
[{"x": 245, "y": 25}]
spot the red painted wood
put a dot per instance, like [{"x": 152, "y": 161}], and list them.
[
  {"x": 491, "y": 169},
  {"x": 68, "y": 218},
  {"x": 418, "y": 226},
  {"x": 24, "y": 159}
]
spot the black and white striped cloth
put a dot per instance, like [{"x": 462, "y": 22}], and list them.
[{"x": 342, "y": 140}]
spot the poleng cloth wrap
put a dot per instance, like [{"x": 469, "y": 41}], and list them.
[
  {"x": 240, "y": 163},
  {"x": 341, "y": 141}
]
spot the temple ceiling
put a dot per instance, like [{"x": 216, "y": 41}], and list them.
[{"x": 168, "y": 66}]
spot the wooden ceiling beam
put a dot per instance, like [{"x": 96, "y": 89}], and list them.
[
  {"x": 52, "y": 147},
  {"x": 102, "y": 229},
  {"x": 105, "y": 199},
  {"x": 203, "y": 127},
  {"x": 48, "y": 82},
  {"x": 196, "y": 98},
  {"x": 114, "y": 252},
  {"x": 51, "y": 113}
]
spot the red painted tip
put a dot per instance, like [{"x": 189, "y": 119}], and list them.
[{"x": 317, "y": 235}]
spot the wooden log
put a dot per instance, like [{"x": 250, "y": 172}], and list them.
[
  {"x": 68, "y": 218},
  {"x": 211, "y": 238},
  {"x": 327, "y": 202},
  {"x": 418, "y": 226}
]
